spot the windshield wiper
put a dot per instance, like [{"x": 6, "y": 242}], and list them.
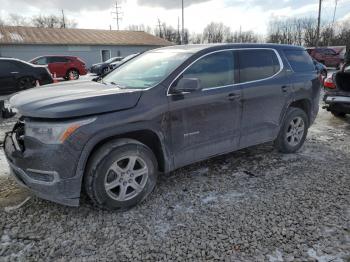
[{"x": 117, "y": 85}]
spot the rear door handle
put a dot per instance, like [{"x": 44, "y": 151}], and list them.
[
  {"x": 234, "y": 96},
  {"x": 14, "y": 73}
]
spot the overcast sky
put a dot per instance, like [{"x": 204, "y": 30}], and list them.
[{"x": 250, "y": 14}]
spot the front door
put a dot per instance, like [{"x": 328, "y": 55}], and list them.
[{"x": 206, "y": 123}]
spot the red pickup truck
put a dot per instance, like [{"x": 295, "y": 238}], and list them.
[
  {"x": 327, "y": 56},
  {"x": 62, "y": 66}
]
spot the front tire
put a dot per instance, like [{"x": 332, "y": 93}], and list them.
[
  {"x": 121, "y": 174},
  {"x": 293, "y": 131}
]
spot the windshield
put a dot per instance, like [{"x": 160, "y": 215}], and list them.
[
  {"x": 113, "y": 59},
  {"x": 147, "y": 70}
]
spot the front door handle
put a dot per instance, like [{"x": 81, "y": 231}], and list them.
[{"x": 234, "y": 96}]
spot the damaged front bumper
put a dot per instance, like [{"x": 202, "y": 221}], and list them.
[{"x": 30, "y": 168}]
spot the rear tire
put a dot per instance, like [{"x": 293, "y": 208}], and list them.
[
  {"x": 293, "y": 131},
  {"x": 74, "y": 73},
  {"x": 25, "y": 83},
  {"x": 338, "y": 114},
  {"x": 120, "y": 174}
]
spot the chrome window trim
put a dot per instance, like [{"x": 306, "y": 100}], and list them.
[{"x": 225, "y": 50}]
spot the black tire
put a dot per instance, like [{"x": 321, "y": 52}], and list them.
[
  {"x": 287, "y": 143},
  {"x": 338, "y": 114},
  {"x": 105, "y": 70},
  {"x": 73, "y": 72},
  {"x": 25, "y": 83},
  {"x": 98, "y": 174}
]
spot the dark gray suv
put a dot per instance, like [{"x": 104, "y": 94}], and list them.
[{"x": 163, "y": 110}]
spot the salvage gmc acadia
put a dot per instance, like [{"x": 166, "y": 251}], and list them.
[{"x": 163, "y": 110}]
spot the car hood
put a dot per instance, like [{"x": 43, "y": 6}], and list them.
[
  {"x": 98, "y": 64},
  {"x": 69, "y": 100}
]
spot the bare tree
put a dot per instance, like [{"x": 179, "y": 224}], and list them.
[
  {"x": 52, "y": 21},
  {"x": 141, "y": 28},
  {"x": 17, "y": 20},
  {"x": 215, "y": 33}
]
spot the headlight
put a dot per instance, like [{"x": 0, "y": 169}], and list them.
[{"x": 53, "y": 132}]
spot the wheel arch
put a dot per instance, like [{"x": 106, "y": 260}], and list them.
[
  {"x": 144, "y": 136},
  {"x": 303, "y": 104}
]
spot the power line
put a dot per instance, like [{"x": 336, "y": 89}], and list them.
[{"x": 118, "y": 14}]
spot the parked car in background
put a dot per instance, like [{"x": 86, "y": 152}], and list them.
[
  {"x": 321, "y": 69},
  {"x": 66, "y": 67},
  {"x": 104, "y": 67},
  {"x": 165, "y": 109},
  {"x": 337, "y": 93},
  {"x": 115, "y": 65},
  {"x": 326, "y": 56},
  {"x": 17, "y": 75}
]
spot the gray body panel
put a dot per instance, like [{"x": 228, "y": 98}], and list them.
[{"x": 190, "y": 127}]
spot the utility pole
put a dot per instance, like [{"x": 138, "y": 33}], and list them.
[
  {"x": 240, "y": 34},
  {"x": 333, "y": 21},
  {"x": 183, "y": 23},
  {"x": 117, "y": 13},
  {"x": 63, "y": 20},
  {"x": 319, "y": 22},
  {"x": 178, "y": 29},
  {"x": 335, "y": 11}
]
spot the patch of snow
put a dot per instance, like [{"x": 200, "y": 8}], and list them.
[
  {"x": 4, "y": 168},
  {"x": 325, "y": 258},
  {"x": 162, "y": 229},
  {"x": 13, "y": 208},
  {"x": 201, "y": 171},
  {"x": 277, "y": 257},
  {"x": 16, "y": 37},
  {"x": 209, "y": 198},
  {"x": 183, "y": 209}
]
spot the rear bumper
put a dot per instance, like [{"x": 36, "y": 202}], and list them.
[
  {"x": 46, "y": 184},
  {"x": 337, "y": 103}
]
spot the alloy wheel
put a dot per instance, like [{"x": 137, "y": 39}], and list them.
[
  {"x": 126, "y": 178},
  {"x": 295, "y": 131}
]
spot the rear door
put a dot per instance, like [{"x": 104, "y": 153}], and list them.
[
  {"x": 206, "y": 123},
  {"x": 9, "y": 73},
  {"x": 266, "y": 90}
]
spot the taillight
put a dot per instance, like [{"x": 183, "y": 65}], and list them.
[{"x": 328, "y": 83}]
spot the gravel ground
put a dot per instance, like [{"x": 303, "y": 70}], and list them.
[{"x": 251, "y": 205}]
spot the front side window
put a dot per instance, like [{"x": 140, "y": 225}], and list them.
[
  {"x": 213, "y": 70},
  {"x": 146, "y": 70},
  {"x": 300, "y": 60},
  {"x": 257, "y": 64}
]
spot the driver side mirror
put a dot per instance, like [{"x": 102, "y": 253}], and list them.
[{"x": 187, "y": 85}]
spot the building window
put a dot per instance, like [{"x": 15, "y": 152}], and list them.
[{"x": 105, "y": 55}]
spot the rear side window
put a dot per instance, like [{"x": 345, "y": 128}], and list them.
[
  {"x": 6, "y": 67},
  {"x": 257, "y": 64},
  {"x": 58, "y": 60},
  {"x": 300, "y": 60},
  {"x": 214, "y": 70}
]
